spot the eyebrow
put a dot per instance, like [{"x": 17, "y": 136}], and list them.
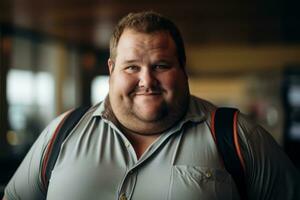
[
  {"x": 133, "y": 61},
  {"x": 130, "y": 61}
]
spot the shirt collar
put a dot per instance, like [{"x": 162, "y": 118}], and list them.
[
  {"x": 99, "y": 108},
  {"x": 195, "y": 111},
  {"x": 103, "y": 109}
]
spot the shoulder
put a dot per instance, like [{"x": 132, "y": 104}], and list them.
[
  {"x": 51, "y": 127},
  {"x": 266, "y": 163},
  {"x": 198, "y": 105},
  {"x": 86, "y": 114},
  {"x": 202, "y": 104},
  {"x": 251, "y": 132}
]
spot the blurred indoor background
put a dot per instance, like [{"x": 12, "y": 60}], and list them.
[{"x": 53, "y": 56}]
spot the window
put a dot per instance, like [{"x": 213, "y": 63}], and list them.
[
  {"x": 100, "y": 88},
  {"x": 30, "y": 104}
]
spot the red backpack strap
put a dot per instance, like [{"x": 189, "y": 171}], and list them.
[
  {"x": 225, "y": 133},
  {"x": 61, "y": 132}
]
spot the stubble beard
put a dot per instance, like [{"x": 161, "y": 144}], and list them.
[
  {"x": 165, "y": 117},
  {"x": 160, "y": 114}
]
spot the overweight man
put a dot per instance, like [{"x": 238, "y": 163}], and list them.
[{"x": 150, "y": 139}]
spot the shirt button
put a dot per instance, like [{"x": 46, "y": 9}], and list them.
[
  {"x": 208, "y": 174},
  {"x": 123, "y": 197},
  {"x": 127, "y": 144}
]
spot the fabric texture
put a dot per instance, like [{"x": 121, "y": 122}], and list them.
[{"x": 96, "y": 161}]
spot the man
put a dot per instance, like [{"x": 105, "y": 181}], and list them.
[{"x": 151, "y": 139}]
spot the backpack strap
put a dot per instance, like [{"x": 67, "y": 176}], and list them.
[
  {"x": 225, "y": 134},
  {"x": 61, "y": 132}
]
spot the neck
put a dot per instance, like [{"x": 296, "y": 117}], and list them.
[{"x": 139, "y": 141}]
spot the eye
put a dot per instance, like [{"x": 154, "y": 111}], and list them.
[
  {"x": 132, "y": 68},
  {"x": 161, "y": 67}
]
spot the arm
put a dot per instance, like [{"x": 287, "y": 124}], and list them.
[
  {"x": 269, "y": 172},
  {"x": 26, "y": 182}
]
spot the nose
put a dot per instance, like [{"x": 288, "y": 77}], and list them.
[{"x": 147, "y": 78}]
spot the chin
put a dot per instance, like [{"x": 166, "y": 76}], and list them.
[{"x": 149, "y": 116}]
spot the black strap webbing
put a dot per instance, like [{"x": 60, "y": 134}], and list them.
[
  {"x": 66, "y": 127},
  {"x": 224, "y": 127}
]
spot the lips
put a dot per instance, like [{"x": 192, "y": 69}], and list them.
[{"x": 147, "y": 91}]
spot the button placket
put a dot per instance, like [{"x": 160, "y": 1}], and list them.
[
  {"x": 122, "y": 196},
  {"x": 208, "y": 174},
  {"x": 127, "y": 144},
  {"x": 128, "y": 184}
]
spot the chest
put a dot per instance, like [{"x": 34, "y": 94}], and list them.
[{"x": 184, "y": 165}]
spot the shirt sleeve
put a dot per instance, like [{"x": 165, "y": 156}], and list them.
[
  {"x": 26, "y": 183},
  {"x": 269, "y": 172}
]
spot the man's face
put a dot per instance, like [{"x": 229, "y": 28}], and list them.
[{"x": 148, "y": 89}]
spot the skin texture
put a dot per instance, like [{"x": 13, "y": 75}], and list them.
[{"x": 148, "y": 88}]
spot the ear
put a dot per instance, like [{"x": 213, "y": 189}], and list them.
[{"x": 110, "y": 64}]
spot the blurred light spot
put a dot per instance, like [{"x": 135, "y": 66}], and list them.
[
  {"x": 6, "y": 45},
  {"x": 103, "y": 33},
  {"x": 294, "y": 95},
  {"x": 272, "y": 116},
  {"x": 100, "y": 88},
  {"x": 20, "y": 87},
  {"x": 27, "y": 90},
  {"x": 295, "y": 131},
  {"x": 89, "y": 61},
  {"x": 12, "y": 138}
]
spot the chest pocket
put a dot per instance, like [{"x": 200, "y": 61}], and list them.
[{"x": 194, "y": 182}]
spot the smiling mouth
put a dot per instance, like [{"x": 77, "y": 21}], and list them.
[{"x": 148, "y": 93}]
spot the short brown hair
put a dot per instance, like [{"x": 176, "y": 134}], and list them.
[{"x": 148, "y": 22}]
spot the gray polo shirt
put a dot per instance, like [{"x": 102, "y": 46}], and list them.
[{"x": 97, "y": 161}]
